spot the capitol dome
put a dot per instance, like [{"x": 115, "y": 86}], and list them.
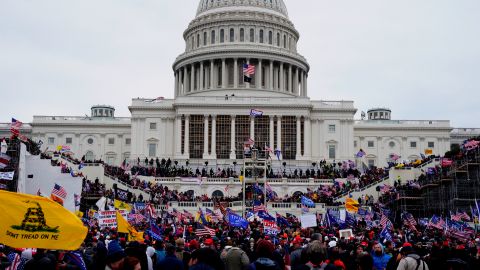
[
  {"x": 227, "y": 35},
  {"x": 276, "y": 7}
]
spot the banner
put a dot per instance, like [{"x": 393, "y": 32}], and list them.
[
  {"x": 109, "y": 218},
  {"x": 38, "y": 222},
  {"x": 308, "y": 221},
  {"x": 7, "y": 175}
]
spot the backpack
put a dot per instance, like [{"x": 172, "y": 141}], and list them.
[{"x": 419, "y": 261}]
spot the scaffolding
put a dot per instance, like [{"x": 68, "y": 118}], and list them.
[
  {"x": 255, "y": 167},
  {"x": 453, "y": 189}
]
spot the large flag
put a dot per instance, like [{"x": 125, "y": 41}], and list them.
[
  {"x": 125, "y": 227},
  {"x": 282, "y": 220},
  {"x": 237, "y": 221},
  {"x": 155, "y": 231},
  {"x": 248, "y": 71},
  {"x": 122, "y": 205},
  {"x": 37, "y": 222},
  {"x": 351, "y": 205},
  {"x": 436, "y": 222}
]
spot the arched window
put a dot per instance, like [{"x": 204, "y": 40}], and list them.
[
  {"x": 204, "y": 38},
  {"x": 242, "y": 35},
  {"x": 252, "y": 35},
  {"x": 198, "y": 40},
  {"x": 278, "y": 39},
  {"x": 232, "y": 35},
  {"x": 261, "y": 36},
  {"x": 190, "y": 193},
  {"x": 89, "y": 156},
  {"x": 222, "y": 36},
  {"x": 270, "y": 37},
  {"x": 297, "y": 194},
  {"x": 217, "y": 194},
  {"x": 212, "y": 37}
]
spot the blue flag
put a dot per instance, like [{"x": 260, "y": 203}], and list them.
[
  {"x": 155, "y": 231},
  {"x": 265, "y": 215},
  {"x": 237, "y": 221},
  {"x": 306, "y": 201},
  {"x": 282, "y": 221},
  {"x": 385, "y": 234}
]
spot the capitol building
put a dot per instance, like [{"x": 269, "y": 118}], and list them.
[{"x": 209, "y": 118}]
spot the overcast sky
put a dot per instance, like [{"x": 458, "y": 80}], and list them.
[{"x": 419, "y": 58}]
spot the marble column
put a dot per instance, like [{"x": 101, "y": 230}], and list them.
[
  {"x": 308, "y": 138},
  {"x": 290, "y": 75},
  {"x": 247, "y": 85},
  {"x": 224, "y": 75},
  {"x": 187, "y": 136},
  {"x": 271, "y": 139},
  {"x": 252, "y": 128},
  {"x": 212, "y": 76},
  {"x": 176, "y": 83},
  {"x": 213, "y": 151},
  {"x": 184, "y": 72},
  {"x": 178, "y": 136},
  {"x": 205, "y": 136},
  {"x": 270, "y": 82},
  {"x": 233, "y": 154},
  {"x": 282, "y": 81},
  {"x": 299, "y": 139},
  {"x": 279, "y": 135},
  {"x": 200, "y": 87},
  {"x": 259, "y": 74},
  {"x": 295, "y": 82},
  {"x": 192, "y": 78},
  {"x": 305, "y": 93},
  {"x": 235, "y": 73}
]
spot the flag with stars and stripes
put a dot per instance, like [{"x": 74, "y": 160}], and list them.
[
  {"x": 59, "y": 191},
  {"x": 16, "y": 261},
  {"x": 204, "y": 231}
]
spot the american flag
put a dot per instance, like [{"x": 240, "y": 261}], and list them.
[
  {"x": 59, "y": 191},
  {"x": 409, "y": 221},
  {"x": 437, "y": 222},
  {"x": 17, "y": 262},
  {"x": 464, "y": 215},
  {"x": 257, "y": 207},
  {"x": 4, "y": 160},
  {"x": 218, "y": 214},
  {"x": 384, "y": 221},
  {"x": 136, "y": 218},
  {"x": 205, "y": 231},
  {"x": 15, "y": 126},
  {"x": 151, "y": 211},
  {"x": 248, "y": 69},
  {"x": 456, "y": 217}
]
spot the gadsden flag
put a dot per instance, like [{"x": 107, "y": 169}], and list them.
[{"x": 38, "y": 222}]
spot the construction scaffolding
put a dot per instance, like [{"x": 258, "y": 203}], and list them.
[
  {"x": 254, "y": 184},
  {"x": 451, "y": 189}
]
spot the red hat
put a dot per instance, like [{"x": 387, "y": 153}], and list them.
[
  {"x": 297, "y": 240},
  {"x": 460, "y": 247},
  {"x": 193, "y": 244},
  {"x": 407, "y": 244},
  {"x": 365, "y": 244},
  {"x": 208, "y": 242}
]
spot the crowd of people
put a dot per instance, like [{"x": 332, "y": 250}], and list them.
[{"x": 177, "y": 244}]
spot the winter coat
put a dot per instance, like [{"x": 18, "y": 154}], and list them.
[
  {"x": 411, "y": 262},
  {"x": 234, "y": 258}
]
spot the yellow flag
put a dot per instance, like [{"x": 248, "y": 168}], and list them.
[
  {"x": 351, "y": 205},
  {"x": 122, "y": 205},
  {"x": 28, "y": 221},
  {"x": 240, "y": 178},
  {"x": 428, "y": 151},
  {"x": 124, "y": 227}
]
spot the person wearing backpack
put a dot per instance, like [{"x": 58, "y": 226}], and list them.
[
  {"x": 410, "y": 260},
  {"x": 233, "y": 257}
]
